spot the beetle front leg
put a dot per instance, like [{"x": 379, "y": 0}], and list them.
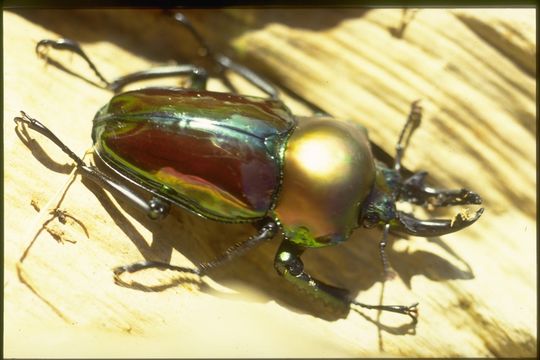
[
  {"x": 413, "y": 121},
  {"x": 155, "y": 208},
  {"x": 289, "y": 265},
  {"x": 415, "y": 191}
]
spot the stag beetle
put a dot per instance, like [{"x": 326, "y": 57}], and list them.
[{"x": 235, "y": 158}]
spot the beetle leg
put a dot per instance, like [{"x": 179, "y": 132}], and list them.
[
  {"x": 411, "y": 310},
  {"x": 70, "y": 45},
  {"x": 415, "y": 191},
  {"x": 249, "y": 75},
  {"x": 413, "y": 121},
  {"x": 143, "y": 265},
  {"x": 384, "y": 259},
  {"x": 198, "y": 75},
  {"x": 289, "y": 265},
  {"x": 225, "y": 62},
  {"x": 267, "y": 231},
  {"x": 155, "y": 208}
]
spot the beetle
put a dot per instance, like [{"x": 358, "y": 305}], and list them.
[{"x": 243, "y": 159}]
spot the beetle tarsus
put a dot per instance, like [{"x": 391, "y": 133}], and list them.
[
  {"x": 70, "y": 45},
  {"x": 224, "y": 62},
  {"x": 42, "y": 129},
  {"x": 411, "y": 310},
  {"x": 198, "y": 76},
  {"x": 267, "y": 231},
  {"x": 155, "y": 208}
]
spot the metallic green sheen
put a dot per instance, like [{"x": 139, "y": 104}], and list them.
[{"x": 219, "y": 155}]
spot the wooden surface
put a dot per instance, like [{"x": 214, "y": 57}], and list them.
[{"x": 475, "y": 71}]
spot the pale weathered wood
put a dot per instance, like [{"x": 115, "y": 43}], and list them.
[{"x": 475, "y": 71}]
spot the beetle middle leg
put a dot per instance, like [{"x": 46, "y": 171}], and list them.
[
  {"x": 267, "y": 230},
  {"x": 289, "y": 265},
  {"x": 155, "y": 208},
  {"x": 226, "y": 63},
  {"x": 198, "y": 75}
]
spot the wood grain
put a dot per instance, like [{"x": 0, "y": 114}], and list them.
[{"x": 475, "y": 71}]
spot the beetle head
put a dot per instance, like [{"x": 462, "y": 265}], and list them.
[{"x": 380, "y": 209}]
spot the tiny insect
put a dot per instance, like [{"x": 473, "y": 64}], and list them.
[{"x": 242, "y": 159}]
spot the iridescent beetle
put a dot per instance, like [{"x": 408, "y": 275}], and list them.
[{"x": 235, "y": 158}]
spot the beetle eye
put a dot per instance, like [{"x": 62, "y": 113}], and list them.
[{"x": 370, "y": 220}]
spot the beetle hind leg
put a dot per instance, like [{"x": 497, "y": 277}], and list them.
[
  {"x": 68, "y": 45},
  {"x": 154, "y": 208},
  {"x": 42, "y": 129},
  {"x": 197, "y": 74}
]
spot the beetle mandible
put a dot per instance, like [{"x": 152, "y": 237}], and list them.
[{"x": 235, "y": 158}]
